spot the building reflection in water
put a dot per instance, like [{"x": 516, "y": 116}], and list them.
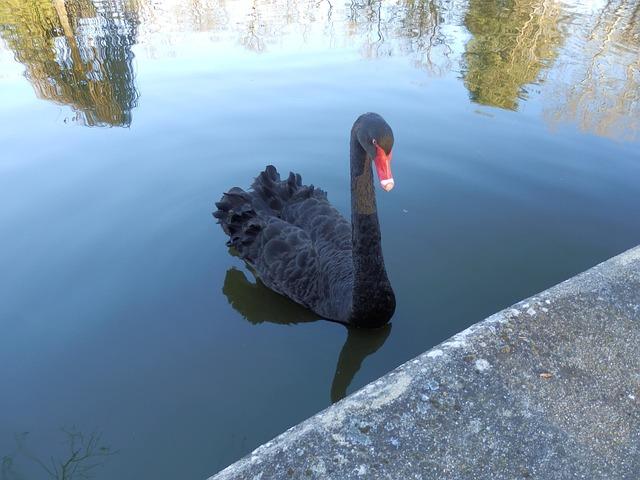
[
  {"x": 77, "y": 53},
  {"x": 257, "y": 304}
]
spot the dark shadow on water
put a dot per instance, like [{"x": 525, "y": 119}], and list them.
[
  {"x": 258, "y": 304},
  {"x": 358, "y": 346}
]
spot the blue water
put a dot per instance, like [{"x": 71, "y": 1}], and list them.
[{"x": 123, "y": 316}]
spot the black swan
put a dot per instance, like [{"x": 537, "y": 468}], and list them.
[{"x": 301, "y": 247}]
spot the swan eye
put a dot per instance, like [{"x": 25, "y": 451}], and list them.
[{"x": 374, "y": 141}]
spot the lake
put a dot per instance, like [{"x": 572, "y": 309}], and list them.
[{"x": 134, "y": 345}]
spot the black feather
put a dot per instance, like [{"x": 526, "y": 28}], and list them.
[{"x": 287, "y": 232}]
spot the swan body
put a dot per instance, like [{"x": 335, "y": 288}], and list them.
[{"x": 300, "y": 246}]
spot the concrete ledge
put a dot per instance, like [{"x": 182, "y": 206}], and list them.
[{"x": 547, "y": 389}]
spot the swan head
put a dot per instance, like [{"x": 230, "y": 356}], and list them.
[{"x": 376, "y": 138}]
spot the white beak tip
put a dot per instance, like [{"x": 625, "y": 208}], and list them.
[{"x": 387, "y": 184}]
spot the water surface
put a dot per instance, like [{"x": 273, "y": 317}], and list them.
[{"x": 128, "y": 330}]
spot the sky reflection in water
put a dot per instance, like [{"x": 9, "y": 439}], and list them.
[{"x": 581, "y": 59}]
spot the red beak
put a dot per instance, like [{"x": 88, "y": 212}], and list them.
[{"x": 383, "y": 167}]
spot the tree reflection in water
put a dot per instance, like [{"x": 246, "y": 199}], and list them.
[
  {"x": 602, "y": 93},
  {"x": 513, "y": 42},
  {"x": 77, "y": 53},
  {"x": 582, "y": 60},
  {"x": 85, "y": 453},
  {"x": 257, "y": 304}
]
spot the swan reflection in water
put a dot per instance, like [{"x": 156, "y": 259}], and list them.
[{"x": 257, "y": 304}]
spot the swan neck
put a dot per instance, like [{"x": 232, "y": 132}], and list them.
[{"x": 373, "y": 302}]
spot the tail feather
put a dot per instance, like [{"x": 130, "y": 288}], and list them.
[
  {"x": 238, "y": 218},
  {"x": 242, "y": 214}
]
